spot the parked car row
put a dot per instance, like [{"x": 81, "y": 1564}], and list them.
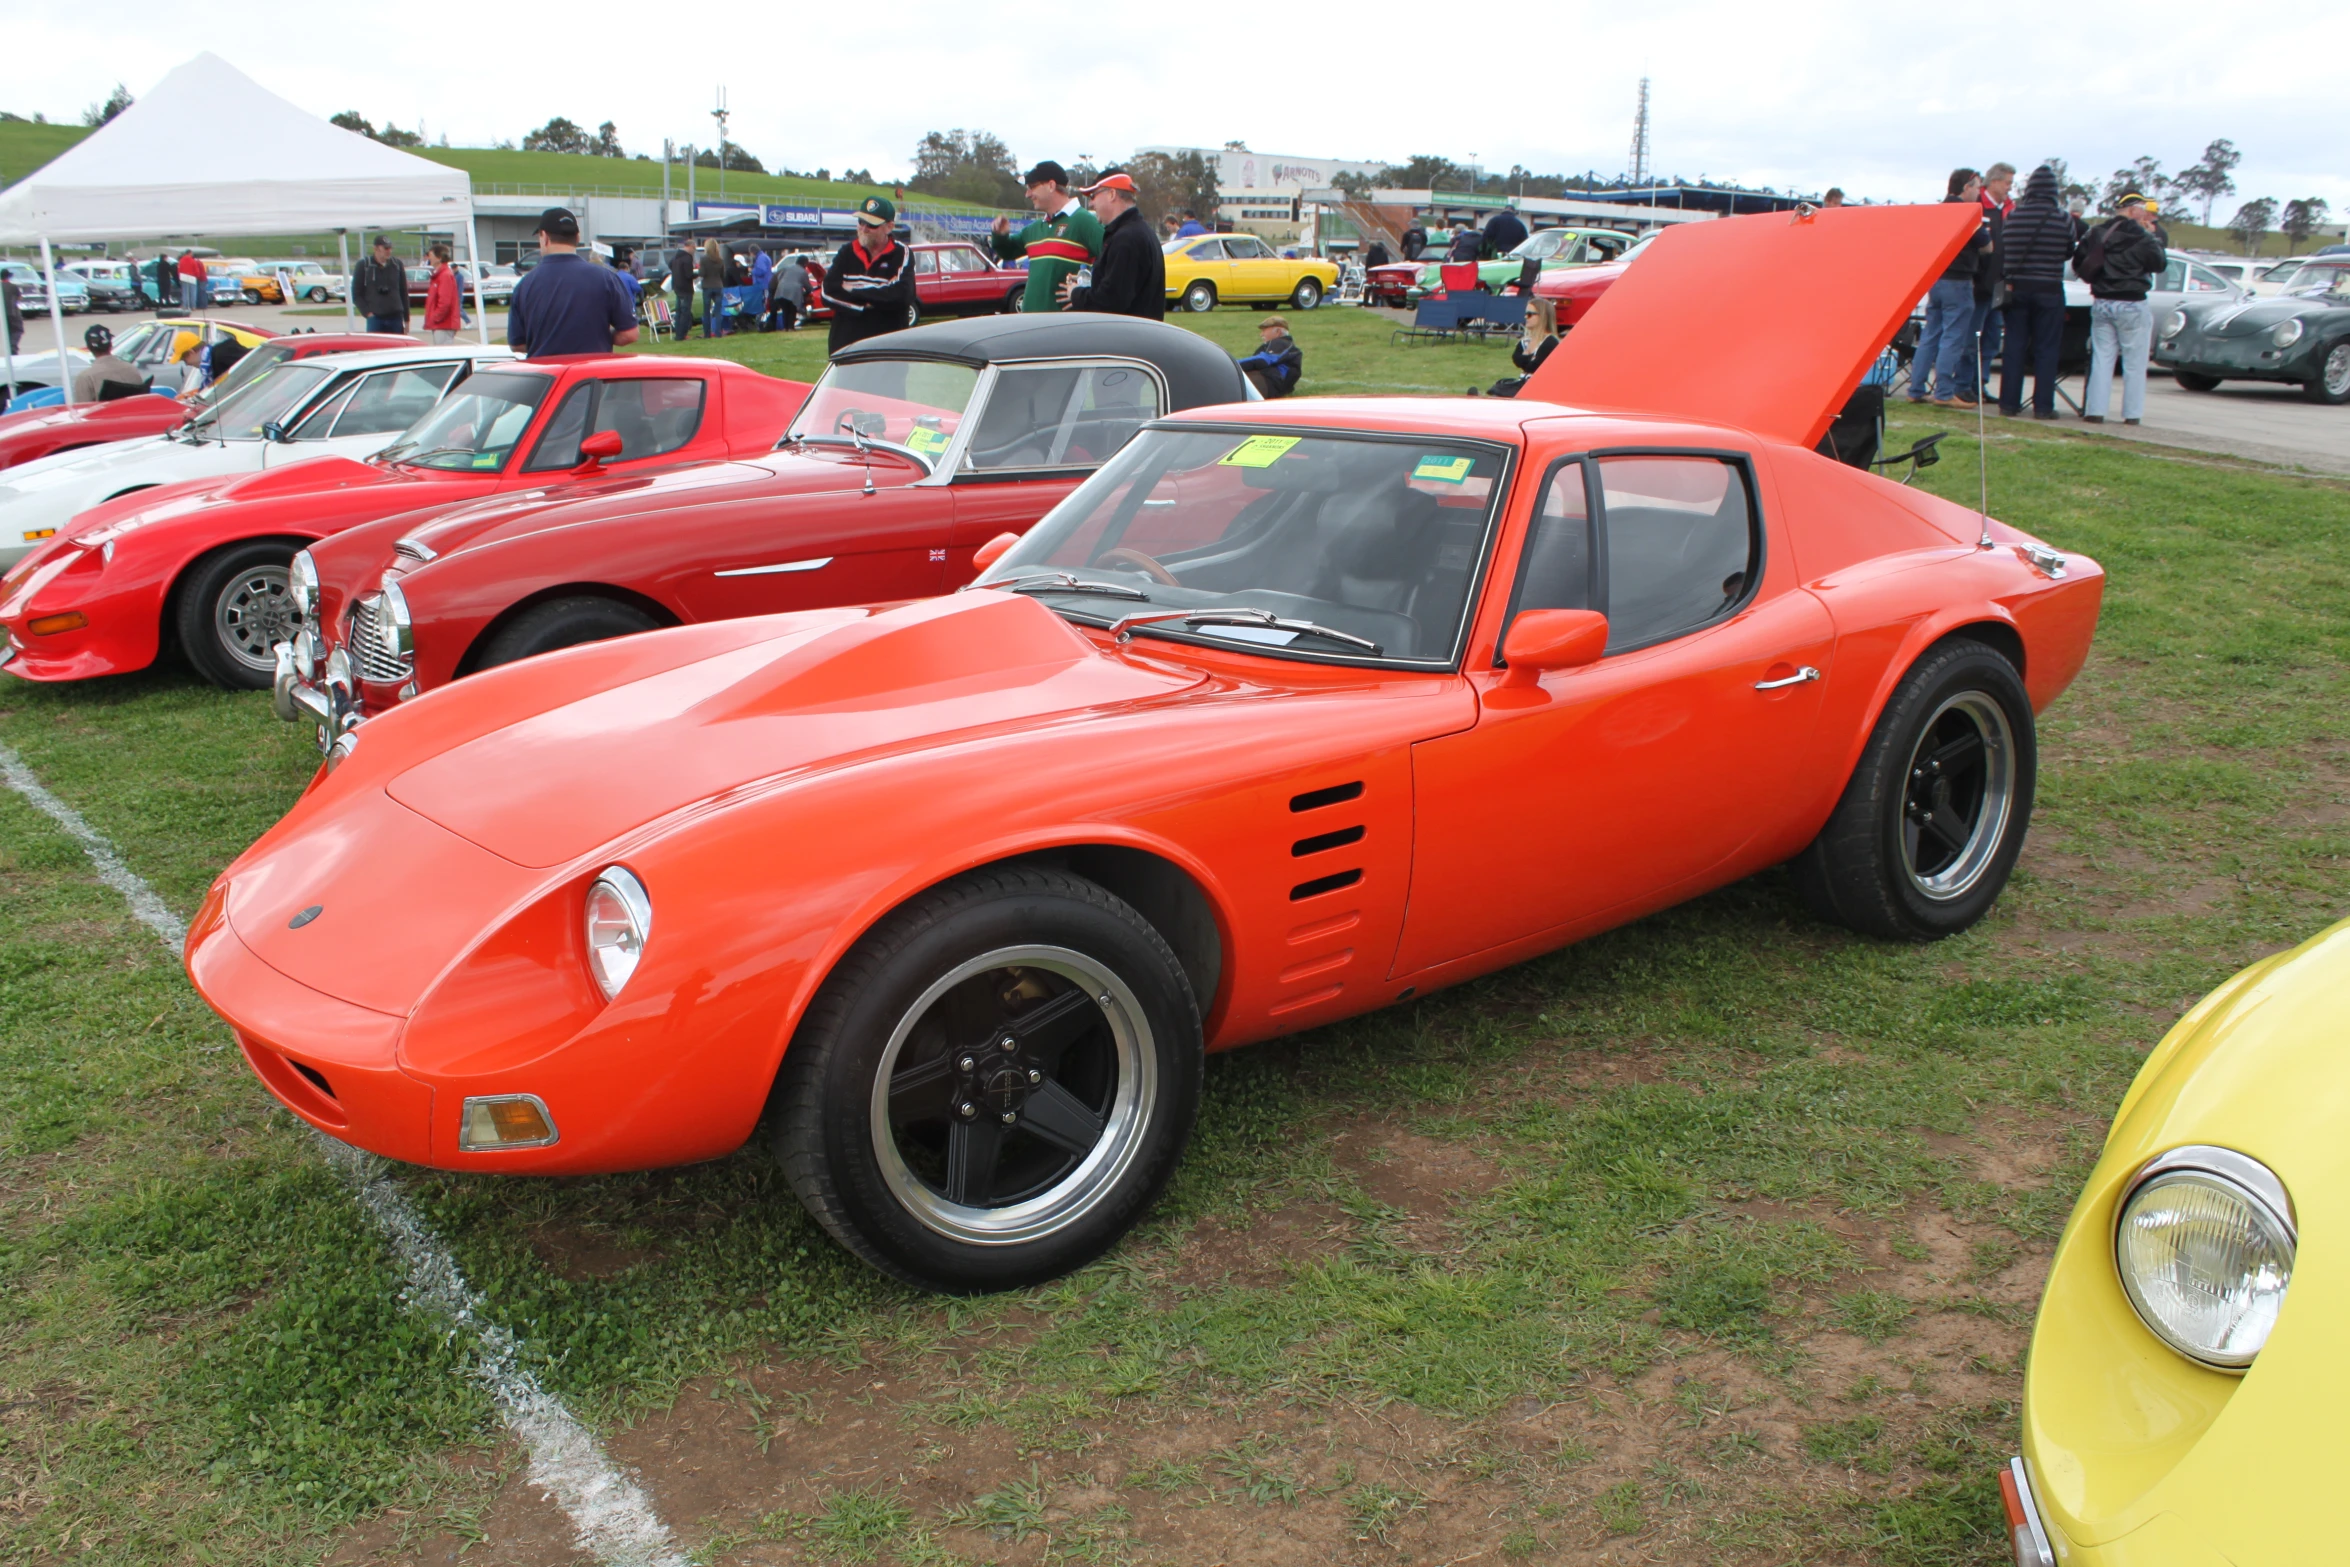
[
  {"x": 1246, "y": 722},
  {"x": 1403, "y": 284}
]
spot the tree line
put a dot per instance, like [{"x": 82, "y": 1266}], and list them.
[{"x": 976, "y": 166}]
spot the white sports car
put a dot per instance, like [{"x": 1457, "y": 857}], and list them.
[{"x": 342, "y": 405}]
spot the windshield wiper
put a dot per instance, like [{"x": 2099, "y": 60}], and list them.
[
  {"x": 1127, "y": 626},
  {"x": 438, "y": 451},
  {"x": 1063, "y": 582}
]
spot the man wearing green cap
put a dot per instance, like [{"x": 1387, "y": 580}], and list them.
[
  {"x": 1064, "y": 238},
  {"x": 870, "y": 284}
]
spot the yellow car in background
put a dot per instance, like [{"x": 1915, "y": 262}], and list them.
[
  {"x": 1207, "y": 270},
  {"x": 2183, "y": 1403},
  {"x": 311, "y": 281}
]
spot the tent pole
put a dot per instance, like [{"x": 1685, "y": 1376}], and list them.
[
  {"x": 343, "y": 249},
  {"x": 481, "y": 311},
  {"x": 57, "y": 323}
]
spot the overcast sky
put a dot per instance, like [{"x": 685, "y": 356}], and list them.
[{"x": 1880, "y": 99}]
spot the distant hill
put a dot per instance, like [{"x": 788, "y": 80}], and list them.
[{"x": 24, "y": 147}]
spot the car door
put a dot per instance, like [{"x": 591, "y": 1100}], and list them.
[
  {"x": 365, "y": 414},
  {"x": 1256, "y": 272},
  {"x": 1042, "y": 429},
  {"x": 762, "y": 555},
  {"x": 1626, "y": 783},
  {"x": 654, "y": 416}
]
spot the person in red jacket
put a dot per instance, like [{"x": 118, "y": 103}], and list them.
[{"x": 441, "y": 317}]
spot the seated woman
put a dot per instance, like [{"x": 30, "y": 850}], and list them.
[{"x": 1533, "y": 346}]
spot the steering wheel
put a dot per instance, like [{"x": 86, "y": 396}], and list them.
[
  {"x": 1140, "y": 562},
  {"x": 856, "y": 421}
]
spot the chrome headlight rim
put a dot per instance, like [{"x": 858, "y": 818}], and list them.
[
  {"x": 615, "y": 945},
  {"x": 2236, "y": 1175},
  {"x": 2173, "y": 324},
  {"x": 302, "y": 581},
  {"x": 2287, "y": 332},
  {"x": 395, "y": 628}
]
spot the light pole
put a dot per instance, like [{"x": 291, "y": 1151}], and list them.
[{"x": 719, "y": 114}]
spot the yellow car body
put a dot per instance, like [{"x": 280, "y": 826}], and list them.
[
  {"x": 2135, "y": 1455},
  {"x": 1208, "y": 270}
]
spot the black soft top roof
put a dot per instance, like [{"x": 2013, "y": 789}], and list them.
[{"x": 1198, "y": 372}]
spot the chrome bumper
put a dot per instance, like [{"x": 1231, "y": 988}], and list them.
[
  {"x": 2027, "y": 1532},
  {"x": 305, "y": 689}
]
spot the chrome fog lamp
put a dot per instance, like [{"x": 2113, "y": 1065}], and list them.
[
  {"x": 302, "y": 579},
  {"x": 395, "y": 630},
  {"x": 498, "y": 1121},
  {"x": 2205, "y": 1251},
  {"x": 2174, "y": 323},
  {"x": 2286, "y": 333},
  {"x": 619, "y": 918}
]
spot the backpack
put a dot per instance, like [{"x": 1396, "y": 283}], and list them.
[{"x": 2089, "y": 254}]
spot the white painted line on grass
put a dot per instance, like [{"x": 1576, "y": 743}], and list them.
[{"x": 611, "y": 1517}]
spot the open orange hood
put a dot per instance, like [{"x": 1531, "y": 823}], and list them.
[{"x": 1766, "y": 323}]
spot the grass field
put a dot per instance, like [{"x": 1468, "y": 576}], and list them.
[{"x": 1713, "y": 1239}]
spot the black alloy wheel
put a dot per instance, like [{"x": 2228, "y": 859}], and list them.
[
  {"x": 561, "y": 623},
  {"x": 2189, "y": 381},
  {"x": 994, "y": 1084},
  {"x": 233, "y": 607},
  {"x": 1928, "y": 829}
]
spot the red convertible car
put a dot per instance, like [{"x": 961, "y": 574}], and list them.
[
  {"x": 40, "y": 432},
  {"x": 912, "y": 451},
  {"x": 205, "y": 566},
  {"x": 1290, "y": 712}
]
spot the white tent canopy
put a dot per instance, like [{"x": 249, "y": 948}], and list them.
[{"x": 210, "y": 151}]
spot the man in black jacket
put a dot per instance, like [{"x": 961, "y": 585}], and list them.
[
  {"x": 2039, "y": 237},
  {"x": 1131, "y": 277},
  {"x": 2119, "y": 262},
  {"x": 379, "y": 289},
  {"x": 1504, "y": 232},
  {"x": 681, "y": 286},
  {"x": 870, "y": 284}
]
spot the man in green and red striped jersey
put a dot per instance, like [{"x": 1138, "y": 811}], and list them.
[{"x": 1063, "y": 238}]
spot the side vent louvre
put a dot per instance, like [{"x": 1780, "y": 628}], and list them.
[
  {"x": 316, "y": 1078},
  {"x": 1322, "y": 884},
  {"x": 1336, "y": 794},
  {"x": 1326, "y": 840}
]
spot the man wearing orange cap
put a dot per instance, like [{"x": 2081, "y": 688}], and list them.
[{"x": 1131, "y": 277}]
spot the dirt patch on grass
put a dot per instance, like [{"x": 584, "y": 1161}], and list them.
[
  {"x": 580, "y": 1254},
  {"x": 1261, "y": 1249}
]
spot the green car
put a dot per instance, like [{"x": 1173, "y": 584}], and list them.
[{"x": 1405, "y": 283}]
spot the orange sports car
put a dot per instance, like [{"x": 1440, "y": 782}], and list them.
[{"x": 1282, "y": 716}]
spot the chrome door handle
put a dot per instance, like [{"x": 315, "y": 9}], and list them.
[{"x": 1798, "y": 678}]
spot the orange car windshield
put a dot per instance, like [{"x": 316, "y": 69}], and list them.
[
  {"x": 1322, "y": 546},
  {"x": 916, "y": 404}
]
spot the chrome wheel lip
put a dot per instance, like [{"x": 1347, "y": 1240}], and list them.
[
  {"x": 254, "y": 613},
  {"x": 2337, "y": 369},
  {"x": 1973, "y": 861},
  {"x": 1076, "y": 1194}
]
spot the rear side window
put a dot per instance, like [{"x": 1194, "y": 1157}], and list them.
[
  {"x": 1061, "y": 416},
  {"x": 1207, "y": 250},
  {"x": 651, "y": 415},
  {"x": 1678, "y": 541},
  {"x": 1555, "y": 572}
]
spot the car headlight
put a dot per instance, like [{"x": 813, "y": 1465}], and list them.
[
  {"x": 619, "y": 918},
  {"x": 393, "y": 626},
  {"x": 302, "y": 582},
  {"x": 2205, "y": 1250},
  {"x": 2285, "y": 333},
  {"x": 2174, "y": 323}
]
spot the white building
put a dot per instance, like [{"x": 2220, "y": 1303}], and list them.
[{"x": 1261, "y": 171}]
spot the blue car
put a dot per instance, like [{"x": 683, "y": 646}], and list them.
[{"x": 73, "y": 295}]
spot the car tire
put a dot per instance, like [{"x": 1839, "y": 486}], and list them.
[
  {"x": 1200, "y": 297},
  {"x": 1308, "y": 295},
  {"x": 1956, "y": 738},
  {"x": 2189, "y": 381},
  {"x": 252, "y": 296},
  {"x": 316, "y": 296},
  {"x": 561, "y": 623},
  {"x": 233, "y": 607},
  {"x": 995, "y": 983},
  {"x": 1012, "y": 302},
  {"x": 2332, "y": 383}
]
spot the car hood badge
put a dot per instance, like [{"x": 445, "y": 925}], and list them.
[{"x": 306, "y": 916}]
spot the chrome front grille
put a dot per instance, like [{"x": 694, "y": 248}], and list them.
[{"x": 366, "y": 646}]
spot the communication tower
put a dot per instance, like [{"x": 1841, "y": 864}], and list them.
[
  {"x": 719, "y": 114},
  {"x": 1640, "y": 139}
]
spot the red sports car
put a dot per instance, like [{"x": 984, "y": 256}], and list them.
[
  {"x": 205, "y": 565},
  {"x": 913, "y": 449},
  {"x": 1287, "y": 714},
  {"x": 40, "y": 432}
]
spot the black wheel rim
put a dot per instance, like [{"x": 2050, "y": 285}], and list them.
[
  {"x": 1957, "y": 796},
  {"x": 1013, "y": 1095}
]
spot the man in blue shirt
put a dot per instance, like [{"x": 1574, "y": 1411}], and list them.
[{"x": 568, "y": 303}]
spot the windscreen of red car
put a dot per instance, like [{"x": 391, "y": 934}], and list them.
[
  {"x": 1335, "y": 548},
  {"x": 476, "y": 430},
  {"x": 912, "y": 403}
]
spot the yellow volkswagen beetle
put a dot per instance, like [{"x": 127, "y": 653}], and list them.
[
  {"x": 1240, "y": 269},
  {"x": 2183, "y": 1403}
]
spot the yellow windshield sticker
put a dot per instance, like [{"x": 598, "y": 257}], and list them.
[
  {"x": 927, "y": 441},
  {"x": 1258, "y": 451},
  {"x": 1445, "y": 470}
]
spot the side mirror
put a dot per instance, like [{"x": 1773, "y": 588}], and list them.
[
  {"x": 993, "y": 550},
  {"x": 600, "y": 447},
  {"x": 1540, "y": 640},
  {"x": 273, "y": 431}
]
